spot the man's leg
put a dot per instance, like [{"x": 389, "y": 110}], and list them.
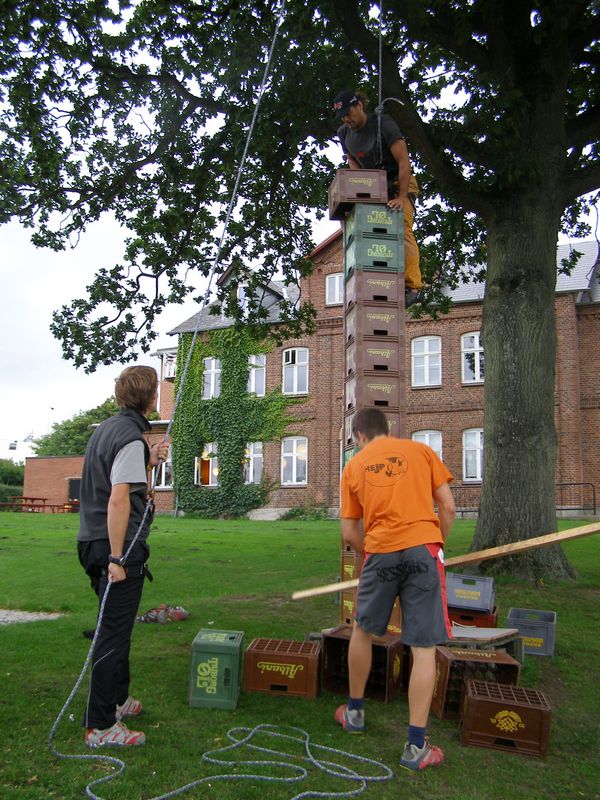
[
  {"x": 112, "y": 647},
  {"x": 360, "y": 654},
  {"x": 412, "y": 268},
  {"x": 421, "y": 685}
]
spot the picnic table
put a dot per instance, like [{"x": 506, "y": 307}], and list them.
[{"x": 38, "y": 505}]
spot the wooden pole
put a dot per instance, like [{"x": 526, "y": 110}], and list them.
[{"x": 470, "y": 558}]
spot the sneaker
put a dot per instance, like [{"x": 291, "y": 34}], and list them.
[
  {"x": 130, "y": 708},
  {"x": 177, "y": 613},
  {"x": 412, "y": 296},
  {"x": 351, "y": 721},
  {"x": 117, "y": 735},
  {"x": 416, "y": 758}
]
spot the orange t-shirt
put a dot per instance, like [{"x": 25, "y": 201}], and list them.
[{"x": 390, "y": 485}]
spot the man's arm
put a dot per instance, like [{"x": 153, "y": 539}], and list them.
[
  {"x": 400, "y": 153},
  {"x": 352, "y": 162},
  {"x": 352, "y": 533},
  {"x": 119, "y": 509},
  {"x": 446, "y": 508}
]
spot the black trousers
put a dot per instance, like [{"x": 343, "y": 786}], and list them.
[{"x": 109, "y": 677}]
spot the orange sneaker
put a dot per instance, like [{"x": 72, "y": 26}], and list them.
[
  {"x": 416, "y": 758},
  {"x": 130, "y": 708}
]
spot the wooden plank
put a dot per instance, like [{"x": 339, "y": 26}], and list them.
[{"x": 469, "y": 558}]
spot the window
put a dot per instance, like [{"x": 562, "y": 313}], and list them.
[
  {"x": 164, "y": 474},
  {"x": 472, "y": 358},
  {"x": 211, "y": 378},
  {"x": 169, "y": 365},
  {"x": 473, "y": 454},
  {"x": 431, "y": 438},
  {"x": 206, "y": 468},
  {"x": 334, "y": 289},
  {"x": 295, "y": 371},
  {"x": 426, "y": 361},
  {"x": 256, "y": 375},
  {"x": 253, "y": 463},
  {"x": 294, "y": 451}
]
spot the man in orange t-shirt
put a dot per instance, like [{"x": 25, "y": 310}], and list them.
[{"x": 391, "y": 485}]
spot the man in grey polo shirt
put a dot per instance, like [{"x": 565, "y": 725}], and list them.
[{"x": 114, "y": 512}]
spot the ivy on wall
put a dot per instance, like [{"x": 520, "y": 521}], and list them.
[{"x": 231, "y": 420}]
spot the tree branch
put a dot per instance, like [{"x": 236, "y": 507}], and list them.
[
  {"x": 580, "y": 182},
  {"x": 584, "y": 129}
]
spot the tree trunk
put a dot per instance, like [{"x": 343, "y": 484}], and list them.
[{"x": 519, "y": 331}]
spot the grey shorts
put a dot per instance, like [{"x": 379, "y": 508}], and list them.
[{"x": 416, "y": 576}]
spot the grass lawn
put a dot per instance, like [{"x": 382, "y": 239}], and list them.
[{"x": 239, "y": 575}]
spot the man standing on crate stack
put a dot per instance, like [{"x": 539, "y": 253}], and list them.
[
  {"x": 365, "y": 149},
  {"x": 391, "y": 485},
  {"x": 114, "y": 486}
]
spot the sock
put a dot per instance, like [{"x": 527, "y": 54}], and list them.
[
  {"x": 356, "y": 703},
  {"x": 416, "y": 736}
]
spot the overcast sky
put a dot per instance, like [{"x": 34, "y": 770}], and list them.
[{"x": 38, "y": 386}]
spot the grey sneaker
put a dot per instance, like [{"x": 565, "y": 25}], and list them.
[
  {"x": 351, "y": 721},
  {"x": 130, "y": 708},
  {"x": 416, "y": 758}
]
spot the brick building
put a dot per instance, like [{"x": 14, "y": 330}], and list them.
[{"x": 444, "y": 368}]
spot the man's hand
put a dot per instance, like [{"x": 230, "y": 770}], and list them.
[
  {"x": 116, "y": 574},
  {"x": 397, "y": 203},
  {"x": 158, "y": 453}
]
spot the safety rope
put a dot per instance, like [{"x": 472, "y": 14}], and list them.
[
  {"x": 243, "y": 737},
  {"x": 379, "y": 109}
]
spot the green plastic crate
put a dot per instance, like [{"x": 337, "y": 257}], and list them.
[
  {"x": 375, "y": 219},
  {"x": 374, "y": 253},
  {"x": 216, "y": 669}
]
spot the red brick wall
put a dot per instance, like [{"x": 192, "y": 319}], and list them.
[
  {"x": 49, "y": 477},
  {"x": 166, "y": 399}
]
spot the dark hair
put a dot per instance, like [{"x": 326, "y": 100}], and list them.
[
  {"x": 135, "y": 388},
  {"x": 371, "y": 422}
]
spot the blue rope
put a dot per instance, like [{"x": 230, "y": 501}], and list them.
[{"x": 243, "y": 736}]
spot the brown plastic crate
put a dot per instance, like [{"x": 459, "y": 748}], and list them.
[
  {"x": 348, "y": 606},
  {"x": 371, "y": 353},
  {"x": 372, "y": 319},
  {"x": 477, "y": 619},
  {"x": 503, "y": 717},
  {"x": 370, "y": 388},
  {"x": 454, "y": 666},
  {"x": 352, "y": 186},
  {"x": 279, "y": 666},
  {"x": 351, "y": 565},
  {"x": 376, "y": 287},
  {"x": 386, "y": 679}
]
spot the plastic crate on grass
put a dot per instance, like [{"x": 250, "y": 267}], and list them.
[
  {"x": 536, "y": 628},
  {"x": 386, "y": 679},
  {"x": 454, "y": 666},
  {"x": 477, "y": 619},
  {"x": 280, "y": 666},
  {"x": 470, "y": 591},
  {"x": 215, "y": 670},
  {"x": 503, "y": 717}
]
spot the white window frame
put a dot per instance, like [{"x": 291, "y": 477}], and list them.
[
  {"x": 257, "y": 366},
  {"x": 292, "y": 364},
  {"x": 292, "y": 448},
  {"x": 476, "y": 350},
  {"x": 211, "y": 378},
  {"x": 427, "y": 437},
  {"x": 169, "y": 365},
  {"x": 164, "y": 473},
  {"x": 253, "y": 462},
  {"x": 472, "y": 447},
  {"x": 213, "y": 466},
  {"x": 334, "y": 289},
  {"x": 429, "y": 360}
]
